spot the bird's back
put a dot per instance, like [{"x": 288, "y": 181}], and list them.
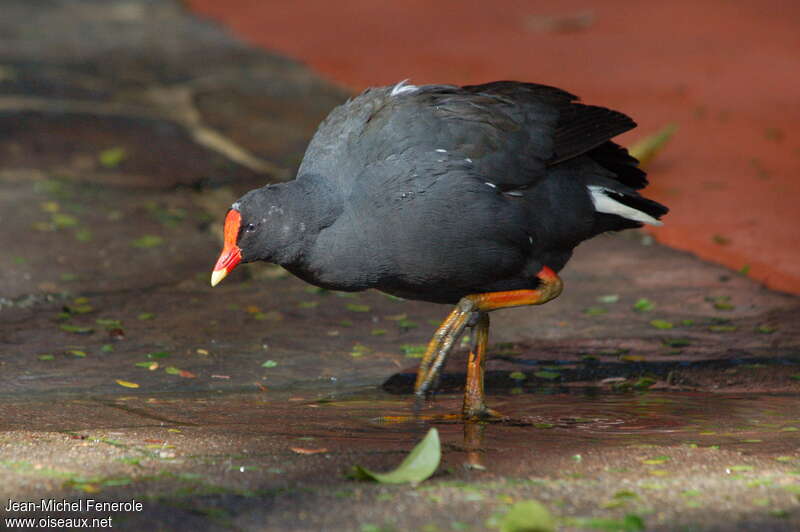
[{"x": 448, "y": 190}]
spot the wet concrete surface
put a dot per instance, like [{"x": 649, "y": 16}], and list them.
[{"x": 656, "y": 385}]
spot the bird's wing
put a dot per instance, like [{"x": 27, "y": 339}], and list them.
[{"x": 505, "y": 132}]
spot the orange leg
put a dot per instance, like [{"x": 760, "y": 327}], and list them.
[{"x": 550, "y": 286}]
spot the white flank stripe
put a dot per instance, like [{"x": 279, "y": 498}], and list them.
[{"x": 604, "y": 203}]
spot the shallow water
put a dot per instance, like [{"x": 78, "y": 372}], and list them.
[{"x": 751, "y": 423}]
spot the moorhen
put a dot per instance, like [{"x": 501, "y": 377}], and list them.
[{"x": 471, "y": 195}]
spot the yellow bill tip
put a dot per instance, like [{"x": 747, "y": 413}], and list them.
[{"x": 217, "y": 276}]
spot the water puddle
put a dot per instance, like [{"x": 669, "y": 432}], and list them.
[{"x": 749, "y": 423}]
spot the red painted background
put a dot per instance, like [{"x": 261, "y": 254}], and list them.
[{"x": 726, "y": 71}]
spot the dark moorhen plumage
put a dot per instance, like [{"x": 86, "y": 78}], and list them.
[{"x": 472, "y": 195}]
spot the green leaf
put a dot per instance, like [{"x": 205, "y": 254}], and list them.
[
  {"x": 157, "y": 355},
  {"x": 75, "y": 329},
  {"x": 661, "y": 324},
  {"x": 269, "y": 364},
  {"x": 608, "y": 299},
  {"x": 517, "y": 375},
  {"x": 646, "y": 149},
  {"x": 47, "y": 356},
  {"x": 766, "y": 329},
  {"x": 630, "y": 523},
  {"x": 595, "y": 311},
  {"x": 172, "y": 370},
  {"x": 419, "y": 465},
  {"x": 644, "y": 305},
  {"x": 64, "y": 220},
  {"x": 528, "y": 516},
  {"x": 549, "y": 375},
  {"x": 144, "y": 316},
  {"x": 111, "y": 157},
  {"x": 413, "y": 351},
  {"x": 676, "y": 342}
]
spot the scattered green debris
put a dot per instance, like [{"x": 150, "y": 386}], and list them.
[
  {"x": 643, "y": 305},
  {"x": 766, "y": 329},
  {"x": 676, "y": 342},
  {"x": 721, "y": 302},
  {"x": 269, "y": 364},
  {"x": 308, "y": 304},
  {"x": 359, "y": 350},
  {"x": 413, "y": 350},
  {"x": 112, "y": 157},
  {"x": 356, "y": 307},
  {"x": 46, "y": 356},
  {"x": 661, "y": 324},
  {"x": 548, "y": 375},
  {"x": 76, "y": 353},
  {"x": 629, "y": 523},
  {"x": 144, "y": 316},
  {"x": 644, "y": 383},
  {"x": 147, "y": 241},
  {"x": 157, "y": 355},
  {"x": 528, "y": 516},
  {"x": 720, "y": 239},
  {"x": 595, "y": 311},
  {"x": 517, "y": 375},
  {"x": 418, "y": 466},
  {"x": 75, "y": 329},
  {"x": 315, "y": 290},
  {"x": 406, "y": 324},
  {"x": 83, "y": 235},
  {"x": 61, "y": 220},
  {"x": 378, "y": 332}
]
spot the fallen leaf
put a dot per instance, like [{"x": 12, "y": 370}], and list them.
[
  {"x": 528, "y": 516},
  {"x": 661, "y": 324},
  {"x": 302, "y": 450},
  {"x": 111, "y": 157},
  {"x": 187, "y": 374},
  {"x": 419, "y": 465},
  {"x": 647, "y": 148},
  {"x": 127, "y": 384}
]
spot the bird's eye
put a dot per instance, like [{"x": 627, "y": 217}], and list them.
[{"x": 249, "y": 228}]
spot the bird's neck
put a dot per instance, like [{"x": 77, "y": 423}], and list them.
[{"x": 310, "y": 205}]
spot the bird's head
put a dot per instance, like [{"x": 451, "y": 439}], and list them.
[{"x": 264, "y": 224}]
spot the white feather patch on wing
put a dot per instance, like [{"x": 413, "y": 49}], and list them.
[
  {"x": 605, "y": 203},
  {"x": 403, "y": 88}
]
